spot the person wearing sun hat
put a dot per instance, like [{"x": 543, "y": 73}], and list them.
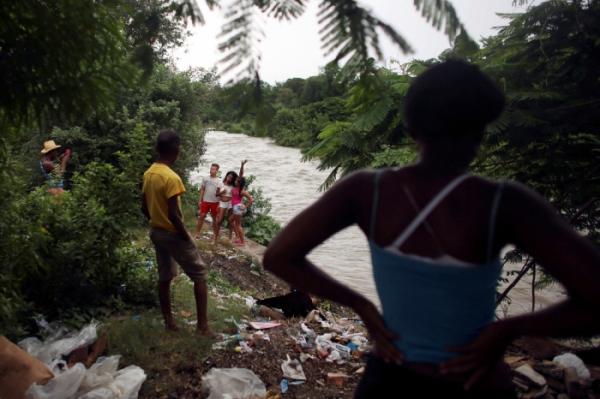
[{"x": 53, "y": 166}]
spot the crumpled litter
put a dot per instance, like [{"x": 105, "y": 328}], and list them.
[
  {"x": 102, "y": 380},
  {"x": 571, "y": 360},
  {"x": 233, "y": 383},
  {"x": 292, "y": 369}
]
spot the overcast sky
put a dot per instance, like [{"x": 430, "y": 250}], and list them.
[{"x": 292, "y": 48}]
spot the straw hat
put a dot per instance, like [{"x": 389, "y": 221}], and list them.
[{"x": 49, "y": 145}]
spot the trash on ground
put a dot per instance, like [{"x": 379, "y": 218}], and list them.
[
  {"x": 263, "y": 325},
  {"x": 531, "y": 377},
  {"x": 245, "y": 347},
  {"x": 250, "y": 302},
  {"x": 567, "y": 360},
  {"x": 232, "y": 383},
  {"x": 294, "y": 304},
  {"x": 59, "y": 343},
  {"x": 283, "y": 385},
  {"x": 338, "y": 379},
  {"x": 292, "y": 369},
  {"x": 305, "y": 356},
  {"x": 84, "y": 375}
]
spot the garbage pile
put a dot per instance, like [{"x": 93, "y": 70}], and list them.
[
  {"x": 66, "y": 365},
  {"x": 318, "y": 337},
  {"x": 565, "y": 376}
]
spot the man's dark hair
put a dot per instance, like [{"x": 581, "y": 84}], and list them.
[
  {"x": 167, "y": 142},
  {"x": 215, "y": 164},
  {"x": 453, "y": 98}
]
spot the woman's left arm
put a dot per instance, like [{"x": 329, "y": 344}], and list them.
[
  {"x": 286, "y": 257},
  {"x": 534, "y": 226}
]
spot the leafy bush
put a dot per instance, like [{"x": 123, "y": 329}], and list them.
[
  {"x": 84, "y": 243},
  {"x": 259, "y": 225}
]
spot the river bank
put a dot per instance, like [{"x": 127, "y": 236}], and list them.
[{"x": 176, "y": 362}]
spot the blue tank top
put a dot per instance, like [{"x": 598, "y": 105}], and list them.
[{"x": 433, "y": 305}]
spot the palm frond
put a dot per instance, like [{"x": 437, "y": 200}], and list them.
[
  {"x": 441, "y": 14},
  {"x": 282, "y": 9},
  {"x": 351, "y": 31},
  {"x": 241, "y": 35}
]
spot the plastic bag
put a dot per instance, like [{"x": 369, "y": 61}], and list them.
[
  {"x": 128, "y": 382},
  {"x": 571, "y": 360},
  {"x": 234, "y": 383},
  {"x": 58, "y": 344},
  {"x": 100, "y": 393},
  {"x": 64, "y": 385},
  {"x": 100, "y": 374}
]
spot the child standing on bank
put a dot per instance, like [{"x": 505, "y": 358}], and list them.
[{"x": 239, "y": 208}]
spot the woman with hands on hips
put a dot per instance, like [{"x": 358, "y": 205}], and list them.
[{"x": 435, "y": 234}]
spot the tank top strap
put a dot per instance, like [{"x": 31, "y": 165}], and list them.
[{"x": 443, "y": 193}]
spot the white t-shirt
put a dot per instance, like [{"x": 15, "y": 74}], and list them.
[
  {"x": 226, "y": 191},
  {"x": 210, "y": 185}
]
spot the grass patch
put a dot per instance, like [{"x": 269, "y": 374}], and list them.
[{"x": 169, "y": 358}]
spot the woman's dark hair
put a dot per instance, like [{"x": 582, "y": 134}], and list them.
[
  {"x": 231, "y": 172},
  {"x": 167, "y": 142},
  {"x": 452, "y": 99},
  {"x": 242, "y": 182}
]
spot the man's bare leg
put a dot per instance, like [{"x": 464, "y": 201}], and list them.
[
  {"x": 199, "y": 226},
  {"x": 201, "y": 295},
  {"x": 164, "y": 297},
  {"x": 215, "y": 227},
  {"x": 218, "y": 222}
]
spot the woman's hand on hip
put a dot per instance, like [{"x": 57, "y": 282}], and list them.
[
  {"x": 382, "y": 337},
  {"x": 477, "y": 359}
]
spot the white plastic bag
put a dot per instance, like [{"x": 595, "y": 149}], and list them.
[
  {"x": 571, "y": 360},
  {"x": 58, "y": 344},
  {"x": 100, "y": 393},
  {"x": 234, "y": 383},
  {"x": 64, "y": 385},
  {"x": 100, "y": 374},
  {"x": 128, "y": 382}
]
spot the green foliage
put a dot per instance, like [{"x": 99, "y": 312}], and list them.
[
  {"x": 375, "y": 107},
  {"x": 547, "y": 61},
  {"x": 259, "y": 225},
  {"x": 75, "y": 251},
  {"x": 57, "y": 71}
]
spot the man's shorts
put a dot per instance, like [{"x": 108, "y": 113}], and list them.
[
  {"x": 171, "y": 248},
  {"x": 212, "y": 207},
  {"x": 225, "y": 205}
]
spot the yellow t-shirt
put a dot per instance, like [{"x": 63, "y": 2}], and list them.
[{"x": 160, "y": 184}]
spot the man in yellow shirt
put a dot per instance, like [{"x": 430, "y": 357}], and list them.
[{"x": 161, "y": 205}]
